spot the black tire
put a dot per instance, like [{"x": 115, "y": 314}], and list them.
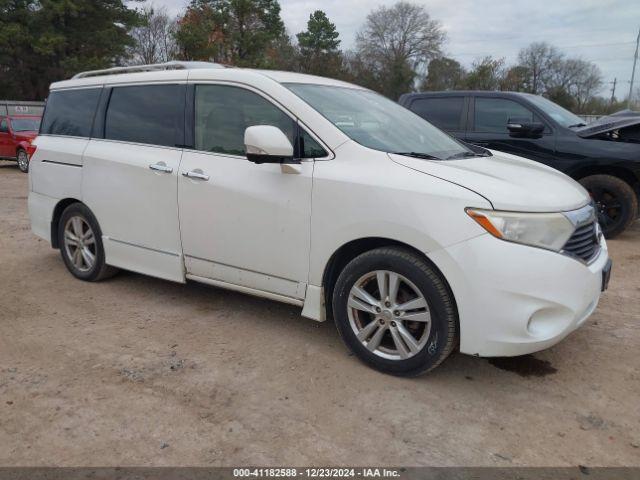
[
  {"x": 616, "y": 202},
  {"x": 23, "y": 160},
  {"x": 440, "y": 340},
  {"x": 99, "y": 270}
]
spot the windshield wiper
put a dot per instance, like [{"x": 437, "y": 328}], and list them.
[
  {"x": 425, "y": 156},
  {"x": 575, "y": 125},
  {"x": 466, "y": 155}
]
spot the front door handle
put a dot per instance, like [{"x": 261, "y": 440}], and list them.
[
  {"x": 161, "y": 167},
  {"x": 198, "y": 174}
]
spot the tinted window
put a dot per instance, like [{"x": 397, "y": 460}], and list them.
[
  {"x": 70, "y": 112},
  {"x": 442, "y": 112},
  {"x": 150, "y": 114},
  {"x": 223, "y": 114},
  {"x": 4, "y": 128},
  {"x": 309, "y": 147},
  {"x": 493, "y": 114}
]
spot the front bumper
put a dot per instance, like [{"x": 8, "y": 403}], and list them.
[{"x": 514, "y": 299}]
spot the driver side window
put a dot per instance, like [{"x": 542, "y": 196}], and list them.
[
  {"x": 4, "y": 127},
  {"x": 493, "y": 114},
  {"x": 223, "y": 113}
]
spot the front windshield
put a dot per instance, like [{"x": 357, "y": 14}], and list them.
[
  {"x": 25, "y": 124},
  {"x": 561, "y": 115},
  {"x": 376, "y": 122}
]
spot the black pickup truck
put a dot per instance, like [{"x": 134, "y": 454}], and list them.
[{"x": 603, "y": 156}]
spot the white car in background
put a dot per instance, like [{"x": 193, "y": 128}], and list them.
[{"x": 321, "y": 194}]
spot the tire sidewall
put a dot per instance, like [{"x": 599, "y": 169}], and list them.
[
  {"x": 624, "y": 193},
  {"x": 78, "y": 209},
  {"x": 433, "y": 351}
]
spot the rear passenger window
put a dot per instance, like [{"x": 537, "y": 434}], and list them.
[
  {"x": 445, "y": 113},
  {"x": 70, "y": 112},
  {"x": 152, "y": 114}
]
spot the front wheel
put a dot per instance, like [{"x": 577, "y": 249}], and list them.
[
  {"x": 23, "y": 160},
  {"x": 395, "y": 312},
  {"x": 616, "y": 202}
]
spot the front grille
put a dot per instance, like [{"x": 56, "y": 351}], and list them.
[{"x": 584, "y": 242}]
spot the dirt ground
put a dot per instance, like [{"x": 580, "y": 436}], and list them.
[{"x": 140, "y": 371}]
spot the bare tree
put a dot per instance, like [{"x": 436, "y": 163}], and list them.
[
  {"x": 154, "y": 39},
  {"x": 587, "y": 81},
  {"x": 398, "y": 42},
  {"x": 539, "y": 59}
]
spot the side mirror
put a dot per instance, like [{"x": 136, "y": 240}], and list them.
[
  {"x": 524, "y": 128},
  {"x": 267, "y": 144}
]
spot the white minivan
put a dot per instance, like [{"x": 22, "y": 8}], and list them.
[{"x": 320, "y": 194}]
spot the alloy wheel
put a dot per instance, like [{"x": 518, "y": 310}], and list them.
[
  {"x": 80, "y": 243},
  {"x": 23, "y": 160},
  {"x": 389, "y": 315}
]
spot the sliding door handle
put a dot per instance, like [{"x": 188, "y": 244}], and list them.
[
  {"x": 197, "y": 174},
  {"x": 161, "y": 167}
]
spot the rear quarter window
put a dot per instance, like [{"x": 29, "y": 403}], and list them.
[
  {"x": 445, "y": 112},
  {"x": 70, "y": 112}
]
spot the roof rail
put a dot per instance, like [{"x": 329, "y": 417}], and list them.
[{"x": 174, "y": 65}]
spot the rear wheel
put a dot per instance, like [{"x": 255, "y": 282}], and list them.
[
  {"x": 394, "y": 311},
  {"x": 616, "y": 202},
  {"x": 80, "y": 241},
  {"x": 23, "y": 160}
]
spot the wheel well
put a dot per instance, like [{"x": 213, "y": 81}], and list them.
[
  {"x": 351, "y": 250},
  {"x": 621, "y": 173},
  {"x": 55, "y": 218}
]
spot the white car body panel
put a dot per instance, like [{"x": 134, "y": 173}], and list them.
[
  {"x": 511, "y": 183},
  {"x": 260, "y": 238},
  {"x": 136, "y": 206},
  {"x": 271, "y": 230}
]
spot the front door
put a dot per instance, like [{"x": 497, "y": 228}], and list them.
[
  {"x": 488, "y": 128},
  {"x": 242, "y": 223},
  {"x": 130, "y": 178}
]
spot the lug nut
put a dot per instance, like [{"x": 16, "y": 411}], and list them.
[
  {"x": 396, "y": 313},
  {"x": 387, "y": 304},
  {"x": 378, "y": 309},
  {"x": 393, "y": 324},
  {"x": 381, "y": 321}
]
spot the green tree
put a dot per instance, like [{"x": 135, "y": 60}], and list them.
[
  {"x": 444, "y": 74},
  {"x": 42, "y": 41},
  {"x": 229, "y": 31},
  {"x": 486, "y": 74},
  {"x": 319, "y": 52}
]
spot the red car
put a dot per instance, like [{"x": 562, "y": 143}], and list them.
[{"x": 16, "y": 134}]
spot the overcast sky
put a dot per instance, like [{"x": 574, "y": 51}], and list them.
[{"x": 602, "y": 31}]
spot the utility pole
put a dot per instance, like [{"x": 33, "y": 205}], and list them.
[
  {"x": 633, "y": 72},
  {"x": 613, "y": 91}
]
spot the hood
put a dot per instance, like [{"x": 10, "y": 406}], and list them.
[
  {"x": 617, "y": 121},
  {"x": 508, "y": 182}
]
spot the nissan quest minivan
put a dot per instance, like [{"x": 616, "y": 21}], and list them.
[{"x": 320, "y": 194}]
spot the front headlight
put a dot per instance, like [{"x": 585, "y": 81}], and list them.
[{"x": 544, "y": 230}]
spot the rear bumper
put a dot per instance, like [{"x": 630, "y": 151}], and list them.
[
  {"x": 513, "y": 299},
  {"x": 41, "y": 213}
]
